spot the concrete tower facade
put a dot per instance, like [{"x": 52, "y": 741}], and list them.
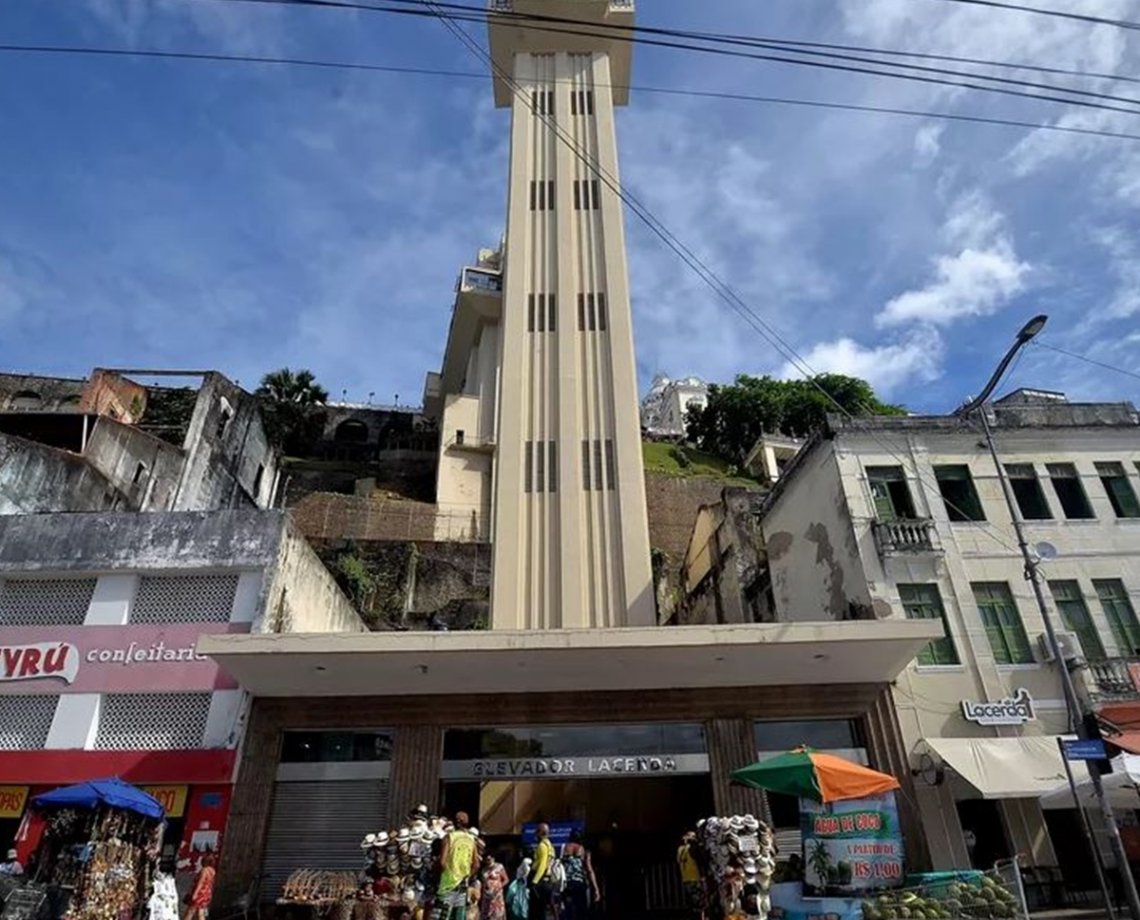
[{"x": 571, "y": 544}]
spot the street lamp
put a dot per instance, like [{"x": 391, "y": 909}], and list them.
[{"x": 1072, "y": 703}]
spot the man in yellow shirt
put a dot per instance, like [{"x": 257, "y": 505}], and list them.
[
  {"x": 458, "y": 863},
  {"x": 541, "y": 891},
  {"x": 692, "y": 880}
]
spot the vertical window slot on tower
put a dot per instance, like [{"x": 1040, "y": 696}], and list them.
[
  {"x": 611, "y": 471},
  {"x": 586, "y": 465},
  {"x": 551, "y": 313},
  {"x": 530, "y": 313},
  {"x": 581, "y": 312},
  {"x": 540, "y": 466},
  {"x": 552, "y": 465},
  {"x": 601, "y": 313},
  {"x": 528, "y": 478},
  {"x": 541, "y": 310},
  {"x": 598, "y": 466},
  {"x": 593, "y": 320},
  {"x": 550, "y": 194}
]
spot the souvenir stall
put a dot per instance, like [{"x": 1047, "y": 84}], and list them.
[
  {"x": 738, "y": 855},
  {"x": 852, "y": 841},
  {"x": 393, "y": 880},
  {"x": 97, "y": 858}
]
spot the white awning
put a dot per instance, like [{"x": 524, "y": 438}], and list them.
[
  {"x": 1120, "y": 785},
  {"x": 1007, "y": 768}
]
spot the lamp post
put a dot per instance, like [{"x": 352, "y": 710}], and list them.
[{"x": 1073, "y": 706}]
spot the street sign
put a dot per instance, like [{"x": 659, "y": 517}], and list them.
[{"x": 1085, "y": 750}]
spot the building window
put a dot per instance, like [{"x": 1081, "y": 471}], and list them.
[
  {"x": 542, "y": 194},
  {"x": 958, "y": 493},
  {"x": 528, "y": 462},
  {"x": 336, "y": 747},
  {"x": 1070, "y": 492},
  {"x": 591, "y": 312},
  {"x": 542, "y": 101},
  {"x": 1119, "y": 489},
  {"x": 539, "y": 465},
  {"x": 890, "y": 493},
  {"x": 45, "y": 601},
  {"x": 1003, "y": 624},
  {"x": 1075, "y": 615},
  {"x": 25, "y": 721},
  {"x": 586, "y": 465},
  {"x": 162, "y": 599},
  {"x": 923, "y": 602},
  {"x": 140, "y": 472},
  {"x": 152, "y": 721},
  {"x": 1028, "y": 492},
  {"x": 551, "y": 313},
  {"x": 1120, "y": 614},
  {"x": 587, "y": 195},
  {"x": 552, "y": 464},
  {"x": 582, "y": 102},
  {"x": 460, "y": 434},
  {"x": 601, "y": 313},
  {"x": 539, "y": 476},
  {"x": 611, "y": 467}
]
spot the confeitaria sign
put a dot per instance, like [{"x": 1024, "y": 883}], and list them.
[
  {"x": 563, "y": 767},
  {"x": 108, "y": 658},
  {"x": 1015, "y": 710}
]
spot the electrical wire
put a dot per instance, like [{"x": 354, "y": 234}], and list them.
[
  {"x": 723, "y": 290},
  {"x": 831, "y": 64},
  {"x": 1085, "y": 358},
  {"x": 470, "y": 75},
  {"x": 1061, "y": 14}
]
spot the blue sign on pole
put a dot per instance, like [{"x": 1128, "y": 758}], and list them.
[
  {"x": 1085, "y": 750},
  {"x": 559, "y": 832}
]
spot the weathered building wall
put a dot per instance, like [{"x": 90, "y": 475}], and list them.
[
  {"x": 813, "y": 552},
  {"x": 409, "y": 473},
  {"x": 35, "y": 479},
  {"x": 110, "y": 541},
  {"x": 55, "y": 393},
  {"x": 304, "y": 596},
  {"x": 141, "y": 466},
  {"x": 111, "y": 394},
  {"x": 230, "y": 463}
]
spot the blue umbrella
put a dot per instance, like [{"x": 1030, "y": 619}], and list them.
[{"x": 112, "y": 792}]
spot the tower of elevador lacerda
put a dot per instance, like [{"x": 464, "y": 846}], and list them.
[{"x": 571, "y": 544}]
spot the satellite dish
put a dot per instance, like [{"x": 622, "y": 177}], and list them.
[{"x": 1045, "y": 551}]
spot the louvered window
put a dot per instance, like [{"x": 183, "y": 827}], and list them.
[
  {"x": 184, "y": 599},
  {"x": 25, "y": 721},
  {"x": 152, "y": 721},
  {"x": 45, "y": 601}
]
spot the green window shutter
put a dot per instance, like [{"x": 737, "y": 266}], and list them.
[
  {"x": 884, "y": 507},
  {"x": 1004, "y": 628},
  {"x": 923, "y": 602},
  {"x": 1120, "y": 614},
  {"x": 1075, "y": 615}
]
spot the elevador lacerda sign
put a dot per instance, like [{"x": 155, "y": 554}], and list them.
[{"x": 1015, "y": 710}]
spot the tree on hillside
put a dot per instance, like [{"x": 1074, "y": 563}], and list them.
[
  {"x": 288, "y": 407},
  {"x": 738, "y": 413}
]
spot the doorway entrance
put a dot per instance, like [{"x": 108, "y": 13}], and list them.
[
  {"x": 984, "y": 830},
  {"x": 632, "y": 827}
]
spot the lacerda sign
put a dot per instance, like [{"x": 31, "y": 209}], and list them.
[{"x": 1015, "y": 710}]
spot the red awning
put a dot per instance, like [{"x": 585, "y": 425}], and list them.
[
  {"x": 1126, "y": 741},
  {"x": 56, "y": 768}
]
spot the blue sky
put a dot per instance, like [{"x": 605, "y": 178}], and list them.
[{"x": 238, "y": 217}]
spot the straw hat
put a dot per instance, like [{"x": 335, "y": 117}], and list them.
[
  {"x": 404, "y": 836},
  {"x": 368, "y": 842}
]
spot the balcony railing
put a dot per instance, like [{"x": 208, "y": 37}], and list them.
[
  {"x": 912, "y": 536},
  {"x": 1114, "y": 679}
]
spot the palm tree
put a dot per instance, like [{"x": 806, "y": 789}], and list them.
[
  {"x": 287, "y": 386},
  {"x": 820, "y": 863},
  {"x": 288, "y": 399}
]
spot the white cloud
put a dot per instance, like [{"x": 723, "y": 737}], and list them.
[
  {"x": 928, "y": 144},
  {"x": 1124, "y": 259},
  {"x": 980, "y": 273},
  {"x": 917, "y": 357}
]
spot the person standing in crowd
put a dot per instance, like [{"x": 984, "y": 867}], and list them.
[
  {"x": 12, "y": 865},
  {"x": 692, "y": 879},
  {"x": 581, "y": 884},
  {"x": 518, "y": 894},
  {"x": 459, "y": 862},
  {"x": 202, "y": 891},
  {"x": 541, "y": 892},
  {"x": 494, "y": 879}
]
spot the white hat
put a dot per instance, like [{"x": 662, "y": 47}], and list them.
[
  {"x": 381, "y": 838},
  {"x": 12, "y": 854},
  {"x": 403, "y": 835},
  {"x": 474, "y": 831},
  {"x": 368, "y": 842}
]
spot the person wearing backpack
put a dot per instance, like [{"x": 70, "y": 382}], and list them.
[
  {"x": 581, "y": 888},
  {"x": 541, "y": 887}
]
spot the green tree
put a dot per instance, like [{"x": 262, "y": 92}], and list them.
[
  {"x": 737, "y": 414},
  {"x": 289, "y": 400}
]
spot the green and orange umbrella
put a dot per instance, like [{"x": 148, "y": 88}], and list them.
[{"x": 815, "y": 775}]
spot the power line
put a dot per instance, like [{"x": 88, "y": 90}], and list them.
[
  {"x": 470, "y": 75},
  {"x": 694, "y": 262},
  {"x": 832, "y": 62},
  {"x": 1085, "y": 358},
  {"x": 1061, "y": 14}
]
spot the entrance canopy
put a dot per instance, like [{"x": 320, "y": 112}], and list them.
[
  {"x": 1121, "y": 785},
  {"x": 502, "y": 661},
  {"x": 1007, "y": 768}
]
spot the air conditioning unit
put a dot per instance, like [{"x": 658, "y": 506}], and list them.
[{"x": 1069, "y": 643}]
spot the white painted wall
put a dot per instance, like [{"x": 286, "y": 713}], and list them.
[{"x": 111, "y": 602}]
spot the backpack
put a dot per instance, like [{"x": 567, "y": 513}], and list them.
[
  {"x": 556, "y": 876},
  {"x": 518, "y": 900}
]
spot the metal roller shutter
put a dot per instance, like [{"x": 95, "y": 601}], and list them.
[{"x": 319, "y": 825}]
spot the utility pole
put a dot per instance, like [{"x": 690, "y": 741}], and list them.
[{"x": 1073, "y": 706}]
